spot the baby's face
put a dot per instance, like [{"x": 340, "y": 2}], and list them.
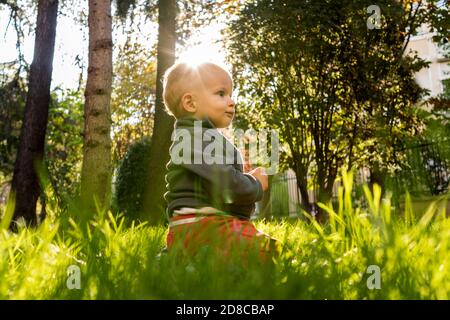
[{"x": 213, "y": 98}]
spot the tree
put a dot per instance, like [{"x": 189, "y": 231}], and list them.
[
  {"x": 96, "y": 169},
  {"x": 21, "y": 16},
  {"x": 173, "y": 26},
  {"x": 25, "y": 183},
  {"x": 64, "y": 144},
  {"x": 338, "y": 92},
  {"x": 12, "y": 98},
  {"x": 132, "y": 100},
  {"x": 154, "y": 203},
  {"x": 439, "y": 23}
]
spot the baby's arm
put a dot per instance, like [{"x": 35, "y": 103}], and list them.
[
  {"x": 224, "y": 182},
  {"x": 230, "y": 184},
  {"x": 260, "y": 175}
]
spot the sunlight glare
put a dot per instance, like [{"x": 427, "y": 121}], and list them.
[{"x": 205, "y": 48}]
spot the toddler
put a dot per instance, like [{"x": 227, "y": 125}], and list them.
[{"x": 210, "y": 198}]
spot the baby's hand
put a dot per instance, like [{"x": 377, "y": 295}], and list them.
[{"x": 260, "y": 175}]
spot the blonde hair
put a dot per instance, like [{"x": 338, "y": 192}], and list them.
[{"x": 180, "y": 78}]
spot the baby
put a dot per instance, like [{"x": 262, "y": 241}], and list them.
[{"x": 210, "y": 198}]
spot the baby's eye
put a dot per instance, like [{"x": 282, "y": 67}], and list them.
[{"x": 221, "y": 93}]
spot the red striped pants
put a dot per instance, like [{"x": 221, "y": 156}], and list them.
[{"x": 223, "y": 233}]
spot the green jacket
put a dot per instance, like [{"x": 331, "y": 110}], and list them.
[{"x": 206, "y": 170}]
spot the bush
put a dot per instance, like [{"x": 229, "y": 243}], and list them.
[{"x": 132, "y": 177}]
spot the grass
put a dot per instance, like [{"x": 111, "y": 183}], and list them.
[{"x": 329, "y": 261}]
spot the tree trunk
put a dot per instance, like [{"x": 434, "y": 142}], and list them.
[
  {"x": 324, "y": 196},
  {"x": 25, "y": 181},
  {"x": 303, "y": 187},
  {"x": 96, "y": 171},
  {"x": 154, "y": 204},
  {"x": 377, "y": 177}
]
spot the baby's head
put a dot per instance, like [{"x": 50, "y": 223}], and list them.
[{"x": 199, "y": 91}]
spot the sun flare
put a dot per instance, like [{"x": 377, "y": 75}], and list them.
[{"x": 205, "y": 47}]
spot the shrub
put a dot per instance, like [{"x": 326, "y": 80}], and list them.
[{"x": 132, "y": 177}]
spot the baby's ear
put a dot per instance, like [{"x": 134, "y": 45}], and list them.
[{"x": 187, "y": 102}]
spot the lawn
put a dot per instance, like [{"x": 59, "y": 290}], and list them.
[{"x": 335, "y": 260}]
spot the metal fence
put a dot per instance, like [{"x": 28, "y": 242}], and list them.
[{"x": 426, "y": 173}]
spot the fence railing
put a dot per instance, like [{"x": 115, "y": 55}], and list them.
[
  {"x": 426, "y": 173},
  {"x": 428, "y": 170}
]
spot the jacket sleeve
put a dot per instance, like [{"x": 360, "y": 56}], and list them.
[{"x": 227, "y": 184}]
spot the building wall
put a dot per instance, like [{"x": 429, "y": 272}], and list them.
[{"x": 439, "y": 69}]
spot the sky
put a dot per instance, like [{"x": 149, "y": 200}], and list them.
[{"x": 70, "y": 44}]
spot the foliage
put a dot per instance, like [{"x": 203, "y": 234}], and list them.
[
  {"x": 317, "y": 262},
  {"x": 426, "y": 169},
  {"x": 440, "y": 105},
  {"x": 439, "y": 22},
  {"x": 192, "y": 15},
  {"x": 337, "y": 92},
  {"x": 133, "y": 96},
  {"x": 22, "y": 15},
  {"x": 446, "y": 87},
  {"x": 64, "y": 142},
  {"x": 132, "y": 177},
  {"x": 438, "y": 128},
  {"x": 63, "y": 136},
  {"x": 12, "y": 100}
]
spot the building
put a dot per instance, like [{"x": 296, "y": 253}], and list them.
[{"x": 439, "y": 69}]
